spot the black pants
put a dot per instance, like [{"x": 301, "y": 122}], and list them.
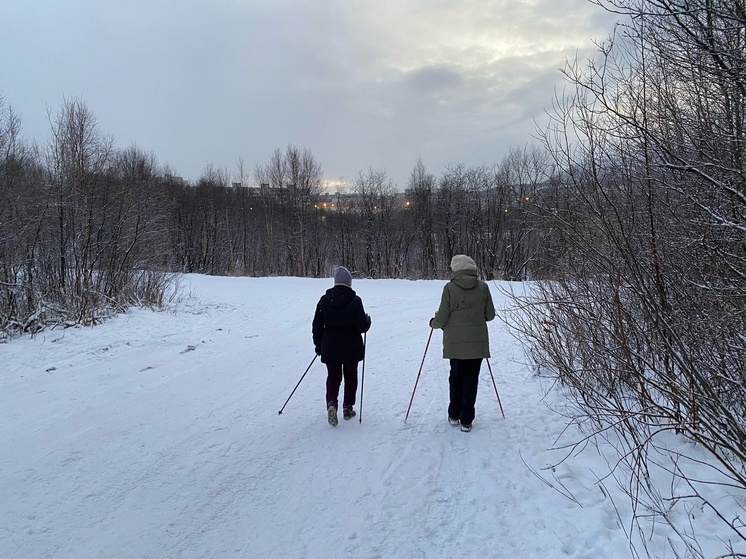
[
  {"x": 463, "y": 382},
  {"x": 335, "y": 373}
]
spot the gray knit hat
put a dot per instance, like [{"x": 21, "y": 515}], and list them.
[
  {"x": 342, "y": 276},
  {"x": 462, "y": 262}
]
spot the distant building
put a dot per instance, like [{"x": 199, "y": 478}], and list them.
[{"x": 173, "y": 179}]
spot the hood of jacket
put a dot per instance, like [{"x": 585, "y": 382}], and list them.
[
  {"x": 465, "y": 279},
  {"x": 340, "y": 295}
]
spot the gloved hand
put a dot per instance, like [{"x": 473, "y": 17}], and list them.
[
  {"x": 431, "y": 322},
  {"x": 368, "y": 317},
  {"x": 318, "y": 350}
]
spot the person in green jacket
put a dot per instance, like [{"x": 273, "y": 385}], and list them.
[{"x": 465, "y": 308}]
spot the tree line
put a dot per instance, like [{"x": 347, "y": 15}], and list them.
[
  {"x": 280, "y": 220},
  {"x": 87, "y": 229}
]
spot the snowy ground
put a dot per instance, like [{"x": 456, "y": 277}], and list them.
[{"x": 157, "y": 435}]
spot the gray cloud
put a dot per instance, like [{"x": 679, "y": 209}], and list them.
[
  {"x": 361, "y": 84},
  {"x": 433, "y": 78}
]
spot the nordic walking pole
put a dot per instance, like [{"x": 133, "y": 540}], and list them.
[
  {"x": 418, "y": 374},
  {"x": 495, "y": 385},
  {"x": 297, "y": 385},
  {"x": 362, "y": 380}
]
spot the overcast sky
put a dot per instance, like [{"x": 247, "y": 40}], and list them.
[{"x": 362, "y": 84}]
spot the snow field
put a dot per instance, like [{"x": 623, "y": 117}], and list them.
[{"x": 156, "y": 435}]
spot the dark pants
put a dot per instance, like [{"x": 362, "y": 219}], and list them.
[
  {"x": 463, "y": 382},
  {"x": 335, "y": 373}
]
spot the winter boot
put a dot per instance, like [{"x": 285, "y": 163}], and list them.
[
  {"x": 331, "y": 414},
  {"x": 452, "y": 421},
  {"x": 465, "y": 428},
  {"x": 348, "y": 412}
]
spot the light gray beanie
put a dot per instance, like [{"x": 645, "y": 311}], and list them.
[
  {"x": 342, "y": 276},
  {"x": 463, "y": 262}
]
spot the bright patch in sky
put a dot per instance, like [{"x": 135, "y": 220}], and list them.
[{"x": 361, "y": 84}]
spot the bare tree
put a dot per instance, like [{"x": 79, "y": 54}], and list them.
[
  {"x": 291, "y": 182},
  {"x": 377, "y": 206},
  {"x": 79, "y": 155},
  {"x": 645, "y": 319},
  {"x": 421, "y": 186},
  {"x": 343, "y": 229},
  {"x": 85, "y": 228},
  {"x": 20, "y": 226},
  {"x": 520, "y": 182},
  {"x": 451, "y": 203}
]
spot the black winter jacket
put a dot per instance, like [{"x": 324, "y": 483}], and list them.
[{"x": 339, "y": 321}]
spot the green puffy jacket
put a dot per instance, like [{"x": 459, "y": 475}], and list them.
[{"x": 465, "y": 308}]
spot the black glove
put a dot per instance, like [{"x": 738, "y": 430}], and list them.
[
  {"x": 368, "y": 317},
  {"x": 318, "y": 350}
]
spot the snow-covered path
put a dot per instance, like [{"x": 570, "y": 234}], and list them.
[{"x": 157, "y": 435}]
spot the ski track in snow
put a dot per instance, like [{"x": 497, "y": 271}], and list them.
[{"x": 156, "y": 435}]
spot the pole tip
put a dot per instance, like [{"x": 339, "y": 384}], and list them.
[{"x": 279, "y": 412}]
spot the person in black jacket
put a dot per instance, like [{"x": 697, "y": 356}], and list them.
[{"x": 338, "y": 325}]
